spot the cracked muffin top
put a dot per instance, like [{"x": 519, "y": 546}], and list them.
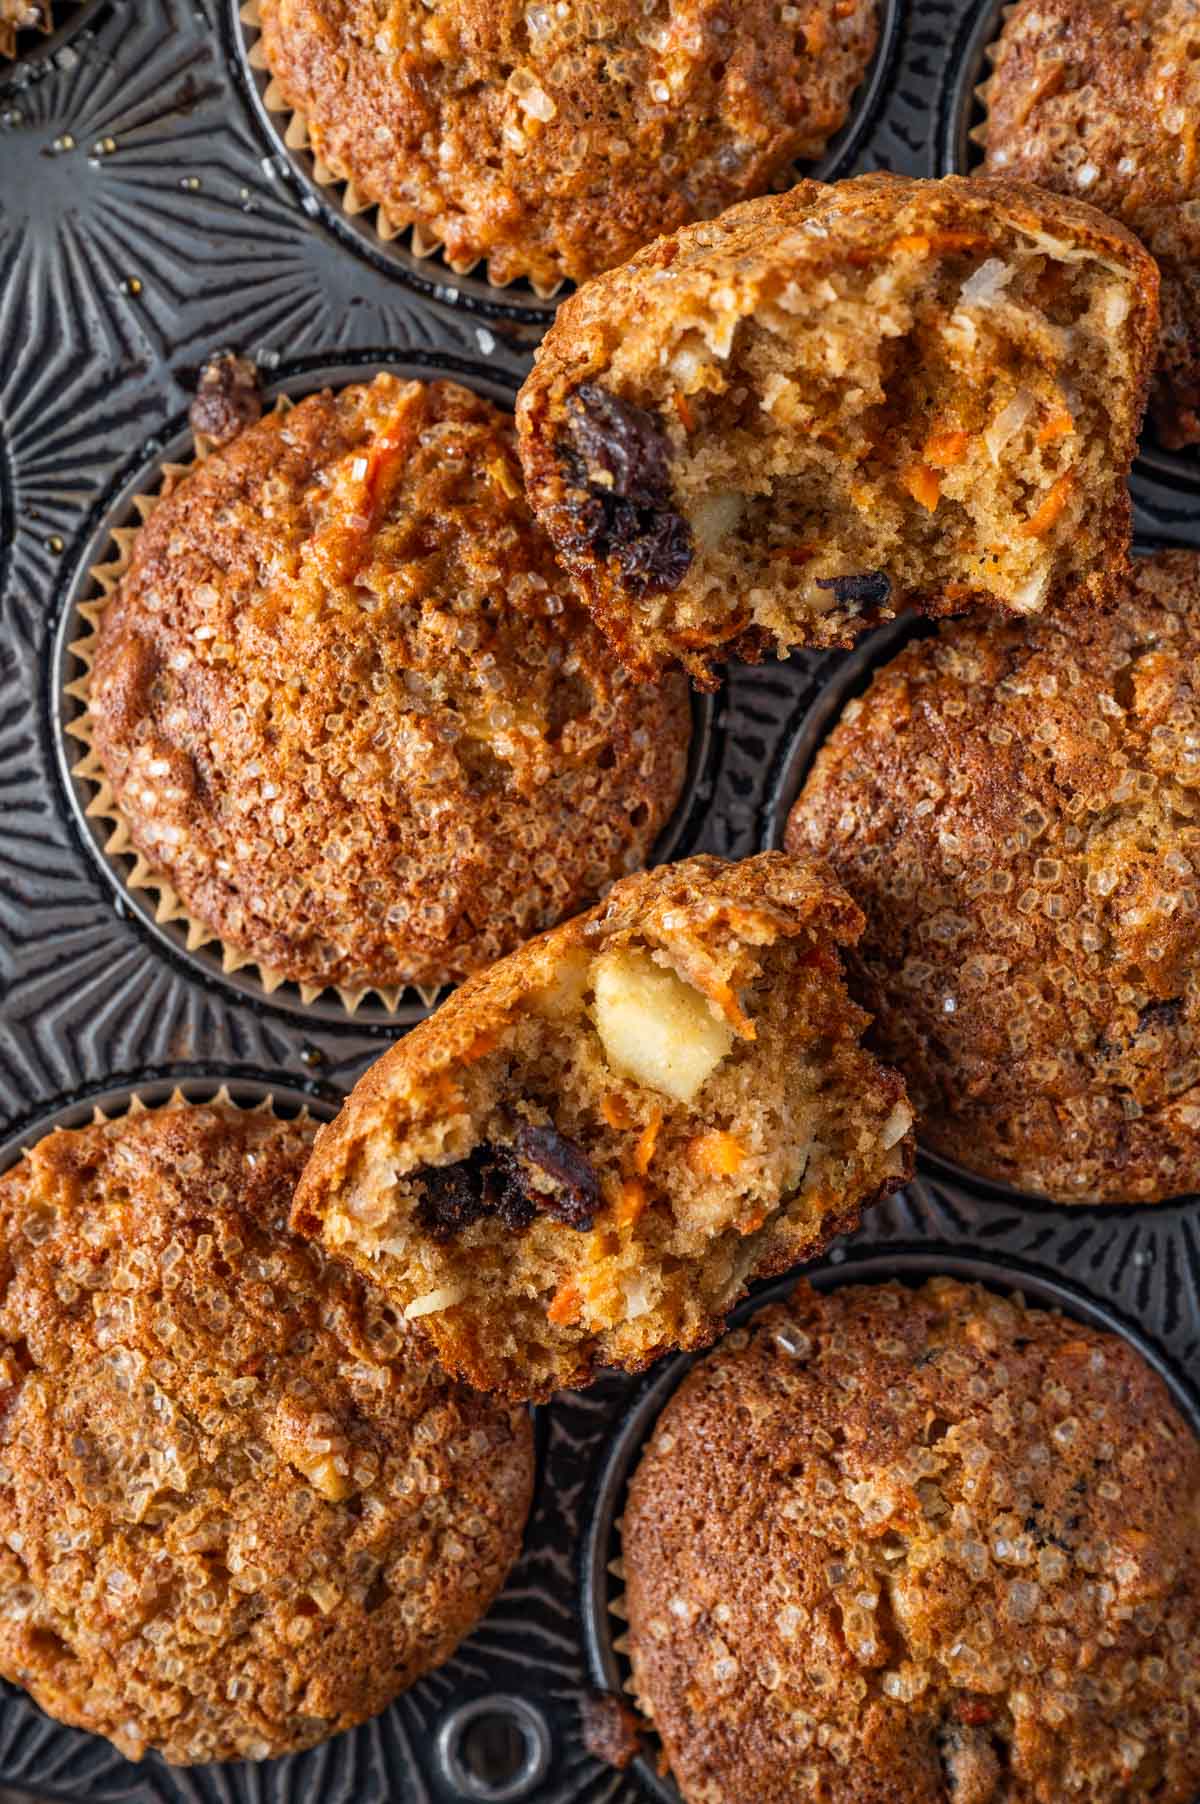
[
  {"x": 1101, "y": 98},
  {"x": 1016, "y": 809},
  {"x": 236, "y": 1514},
  {"x": 554, "y": 141},
  {"x": 956, "y": 1560},
  {"x": 348, "y": 708}
]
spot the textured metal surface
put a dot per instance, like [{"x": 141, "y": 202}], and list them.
[{"x": 149, "y": 215}]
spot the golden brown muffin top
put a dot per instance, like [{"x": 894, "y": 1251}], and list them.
[
  {"x": 1016, "y": 809},
  {"x": 1101, "y": 98},
  {"x": 348, "y": 707},
  {"x": 236, "y": 1514},
  {"x": 904, "y": 1547},
  {"x": 554, "y": 141}
]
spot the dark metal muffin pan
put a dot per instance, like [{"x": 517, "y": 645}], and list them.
[{"x": 148, "y": 216}]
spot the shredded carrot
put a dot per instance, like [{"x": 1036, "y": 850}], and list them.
[
  {"x": 647, "y": 1140},
  {"x": 924, "y": 242},
  {"x": 615, "y": 1111},
  {"x": 684, "y": 410},
  {"x": 956, "y": 591},
  {"x": 632, "y": 1204},
  {"x": 1057, "y": 426},
  {"x": 716, "y": 1154},
  {"x": 483, "y": 1042},
  {"x": 1051, "y": 507},
  {"x": 749, "y": 1224},
  {"x": 946, "y": 448},
  {"x": 566, "y": 1305},
  {"x": 816, "y": 35},
  {"x": 922, "y": 484}
]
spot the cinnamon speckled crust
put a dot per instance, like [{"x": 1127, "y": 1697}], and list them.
[
  {"x": 349, "y": 708},
  {"x": 664, "y": 331},
  {"x": 553, "y": 142},
  {"x": 816, "y": 1129},
  {"x": 931, "y": 1547},
  {"x": 1017, "y": 812},
  {"x": 21, "y": 15},
  {"x": 1101, "y": 98},
  {"x": 238, "y": 1513}
]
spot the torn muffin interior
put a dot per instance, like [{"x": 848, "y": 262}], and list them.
[
  {"x": 611, "y": 1159},
  {"x": 923, "y": 425}
]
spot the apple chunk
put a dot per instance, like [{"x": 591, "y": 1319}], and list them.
[{"x": 656, "y": 1029}]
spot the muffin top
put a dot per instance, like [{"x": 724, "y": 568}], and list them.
[
  {"x": 954, "y": 1554},
  {"x": 1100, "y": 98},
  {"x": 553, "y": 141},
  {"x": 237, "y": 1515},
  {"x": 349, "y": 710},
  {"x": 1016, "y": 809}
]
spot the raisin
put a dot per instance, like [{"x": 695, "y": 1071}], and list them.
[
  {"x": 228, "y": 398},
  {"x": 612, "y": 1730},
  {"x": 576, "y": 1196},
  {"x": 616, "y": 461},
  {"x": 495, "y": 1180},
  {"x": 868, "y": 590},
  {"x": 1160, "y": 1014}
]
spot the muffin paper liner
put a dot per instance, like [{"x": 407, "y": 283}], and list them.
[
  {"x": 422, "y": 242},
  {"x": 103, "y": 805}
]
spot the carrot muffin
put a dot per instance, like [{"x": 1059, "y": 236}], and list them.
[
  {"x": 894, "y": 1547},
  {"x": 1015, "y": 810},
  {"x": 586, "y": 1154},
  {"x": 1101, "y": 98},
  {"x": 21, "y": 15},
  {"x": 555, "y": 142},
  {"x": 237, "y": 1513},
  {"x": 348, "y": 708},
  {"x": 782, "y": 427}
]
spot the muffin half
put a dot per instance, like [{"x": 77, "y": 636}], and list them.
[
  {"x": 1016, "y": 809},
  {"x": 585, "y": 1155},
  {"x": 1100, "y": 98},
  {"x": 238, "y": 1511},
  {"x": 782, "y": 427},
  {"x": 931, "y": 1547},
  {"x": 343, "y": 704}
]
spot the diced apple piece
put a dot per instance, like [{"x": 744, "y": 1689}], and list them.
[
  {"x": 656, "y": 1029},
  {"x": 562, "y": 997}
]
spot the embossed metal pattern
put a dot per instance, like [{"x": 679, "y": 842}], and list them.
[{"x": 149, "y": 215}]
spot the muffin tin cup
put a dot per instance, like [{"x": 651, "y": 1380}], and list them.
[
  {"x": 150, "y": 893},
  {"x": 601, "y": 1576},
  {"x": 411, "y": 252},
  {"x": 960, "y": 151}
]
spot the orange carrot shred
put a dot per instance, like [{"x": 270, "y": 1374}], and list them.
[
  {"x": 647, "y": 1140},
  {"x": 922, "y": 484},
  {"x": 566, "y": 1305},
  {"x": 1051, "y": 507},
  {"x": 632, "y": 1205},
  {"x": 946, "y": 448},
  {"x": 1057, "y": 426},
  {"x": 615, "y": 1111},
  {"x": 684, "y": 410},
  {"x": 716, "y": 1154}
]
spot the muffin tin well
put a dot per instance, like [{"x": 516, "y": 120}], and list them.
[
  {"x": 150, "y": 214},
  {"x": 517, "y": 308}
]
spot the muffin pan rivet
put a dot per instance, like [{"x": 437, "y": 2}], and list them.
[{"x": 495, "y": 1748}]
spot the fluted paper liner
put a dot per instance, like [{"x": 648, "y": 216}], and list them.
[
  {"x": 176, "y": 1100},
  {"x": 978, "y": 133},
  {"x": 103, "y": 805},
  {"x": 422, "y": 242}
]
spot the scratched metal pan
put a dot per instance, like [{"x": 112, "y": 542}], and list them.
[{"x": 150, "y": 213}]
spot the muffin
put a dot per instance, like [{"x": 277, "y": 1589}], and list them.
[
  {"x": 554, "y": 141},
  {"x": 585, "y": 1155},
  {"x": 1101, "y": 98},
  {"x": 783, "y": 427},
  {"x": 21, "y": 15},
  {"x": 956, "y": 1556},
  {"x": 238, "y": 1513},
  {"x": 1017, "y": 812},
  {"x": 343, "y": 704}
]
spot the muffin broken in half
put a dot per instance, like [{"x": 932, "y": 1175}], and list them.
[
  {"x": 782, "y": 426},
  {"x": 586, "y": 1153}
]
